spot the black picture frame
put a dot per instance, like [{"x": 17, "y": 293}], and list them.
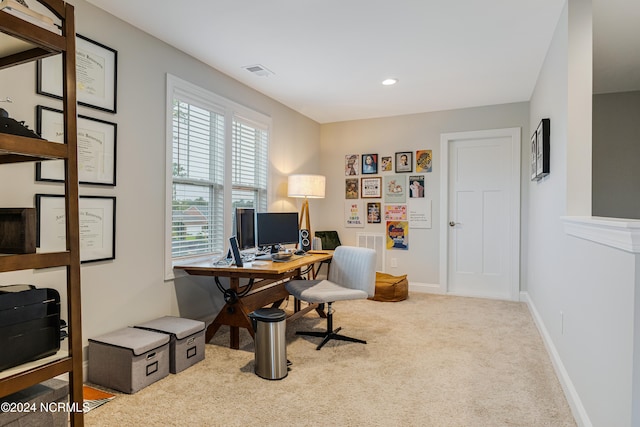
[
  {"x": 543, "y": 148},
  {"x": 97, "y": 226},
  {"x": 96, "y": 75},
  {"x": 404, "y": 161},
  {"x": 97, "y": 148},
  {"x": 369, "y": 167}
]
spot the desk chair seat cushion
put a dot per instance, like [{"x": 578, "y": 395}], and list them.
[
  {"x": 320, "y": 291},
  {"x": 352, "y": 275}
]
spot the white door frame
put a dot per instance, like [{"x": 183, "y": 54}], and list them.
[{"x": 514, "y": 237}]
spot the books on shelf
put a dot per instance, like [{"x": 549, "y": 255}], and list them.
[{"x": 23, "y": 12}]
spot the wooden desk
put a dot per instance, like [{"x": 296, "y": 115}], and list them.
[{"x": 267, "y": 288}]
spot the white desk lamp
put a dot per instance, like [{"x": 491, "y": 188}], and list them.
[{"x": 307, "y": 187}]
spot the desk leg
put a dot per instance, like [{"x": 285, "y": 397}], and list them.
[
  {"x": 236, "y": 317},
  {"x": 233, "y": 314}
]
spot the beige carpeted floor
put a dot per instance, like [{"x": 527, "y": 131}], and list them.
[{"x": 431, "y": 360}]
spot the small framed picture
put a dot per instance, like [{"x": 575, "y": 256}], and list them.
[
  {"x": 404, "y": 161},
  {"x": 416, "y": 186},
  {"x": 374, "y": 214},
  {"x": 351, "y": 188},
  {"x": 351, "y": 164},
  {"x": 542, "y": 149},
  {"x": 369, "y": 164},
  {"x": 386, "y": 164},
  {"x": 423, "y": 160},
  {"x": 371, "y": 188},
  {"x": 534, "y": 157}
]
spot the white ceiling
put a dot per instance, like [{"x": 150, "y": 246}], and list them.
[{"x": 329, "y": 57}]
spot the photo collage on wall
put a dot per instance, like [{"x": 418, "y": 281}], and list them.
[{"x": 390, "y": 190}]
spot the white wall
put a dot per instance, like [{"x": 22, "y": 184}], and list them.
[
  {"x": 130, "y": 289},
  {"x": 616, "y": 148},
  {"x": 385, "y": 136},
  {"x": 582, "y": 292}
]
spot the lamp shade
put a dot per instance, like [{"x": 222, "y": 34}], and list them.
[{"x": 310, "y": 186}]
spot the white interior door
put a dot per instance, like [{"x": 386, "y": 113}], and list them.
[{"x": 482, "y": 213}]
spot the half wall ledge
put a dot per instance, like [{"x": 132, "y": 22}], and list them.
[{"x": 619, "y": 233}]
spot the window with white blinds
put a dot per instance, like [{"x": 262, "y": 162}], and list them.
[
  {"x": 217, "y": 159},
  {"x": 249, "y": 165},
  {"x": 197, "y": 225}
]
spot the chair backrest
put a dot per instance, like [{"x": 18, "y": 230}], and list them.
[{"x": 355, "y": 268}]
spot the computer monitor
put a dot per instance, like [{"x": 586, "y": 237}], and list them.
[
  {"x": 276, "y": 228},
  {"x": 245, "y": 228}
]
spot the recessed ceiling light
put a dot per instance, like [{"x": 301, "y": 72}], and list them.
[{"x": 389, "y": 82}]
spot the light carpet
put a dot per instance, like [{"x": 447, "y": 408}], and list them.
[{"x": 431, "y": 360}]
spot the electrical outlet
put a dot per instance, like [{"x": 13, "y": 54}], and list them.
[{"x": 394, "y": 262}]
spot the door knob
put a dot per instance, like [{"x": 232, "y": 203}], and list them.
[{"x": 453, "y": 223}]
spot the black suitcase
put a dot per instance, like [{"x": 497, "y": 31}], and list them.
[{"x": 29, "y": 324}]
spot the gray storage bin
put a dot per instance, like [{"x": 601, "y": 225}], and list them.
[
  {"x": 186, "y": 345},
  {"x": 128, "y": 359}
]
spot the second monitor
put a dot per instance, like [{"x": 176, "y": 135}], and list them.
[{"x": 276, "y": 228}]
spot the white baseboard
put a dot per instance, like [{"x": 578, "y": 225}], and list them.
[
  {"x": 427, "y": 288},
  {"x": 579, "y": 413}
]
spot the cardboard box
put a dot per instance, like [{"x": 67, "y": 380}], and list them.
[
  {"x": 128, "y": 359},
  {"x": 186, "y": 345}
]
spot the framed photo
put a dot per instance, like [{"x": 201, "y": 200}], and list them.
[
  {"x": 374, "y": 213},
  {"x": 386, "y": 164},
  {"x": 534, "y": 157},
  {"x": 96, "y": 75},
  {"x": 416, "y": 186},
  {"x": 351, "y": 164},
  {"x": 423, "y": 160},
  {"x": 96, "y": 148},
  {"x": 369, "y": 164},
  {"x": 395, "y": 190},
  {"x": 97, "y": 226},
  {"x": 371, "y": 188},
  {"x": 404, "y": 161},
  {"x": 351, "y": 188},
  {"x": 542, "y": 148}
]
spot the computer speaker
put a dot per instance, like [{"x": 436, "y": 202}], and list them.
[{"x": 305, "y": 240}]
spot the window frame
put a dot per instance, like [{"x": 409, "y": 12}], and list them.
[{"x": 231, "y": 111}]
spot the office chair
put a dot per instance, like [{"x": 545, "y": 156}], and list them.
[{"x": 352, "y": 275}]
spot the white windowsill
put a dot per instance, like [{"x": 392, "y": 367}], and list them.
[{"x": 619, "y": 233}]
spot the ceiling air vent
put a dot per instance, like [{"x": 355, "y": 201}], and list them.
[{"x": 259, "y": 70}]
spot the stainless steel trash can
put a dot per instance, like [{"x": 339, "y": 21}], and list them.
[{"x": 269, "y": 325}]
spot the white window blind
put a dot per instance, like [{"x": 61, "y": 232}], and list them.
[
  {"x": 197, "y": 223},
  {"x": 249, "y": 165}
]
